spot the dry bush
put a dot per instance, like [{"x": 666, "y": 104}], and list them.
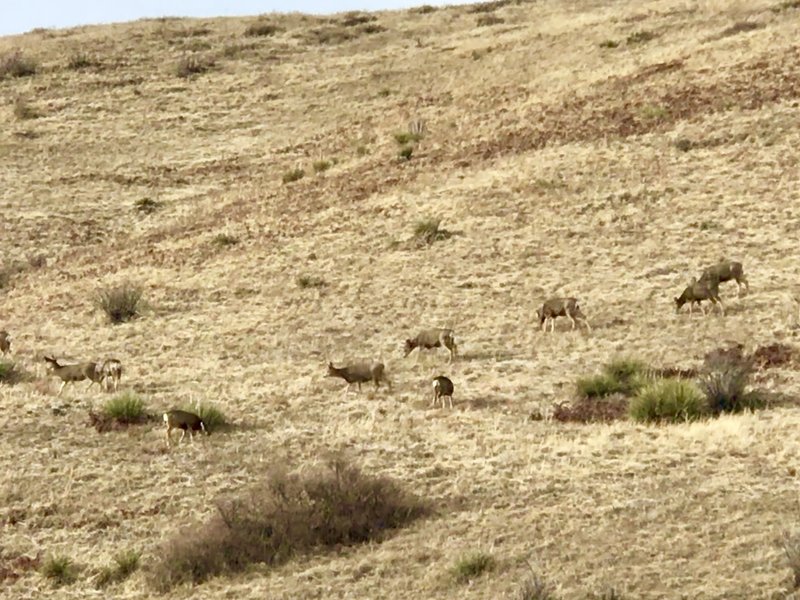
[
  {"x": 121, "y": 303},
  {"x": 11, "y": 373},
  {"x": 592, "y": 409},
  {"x": 773, "y": 355},
  {"x": 15, "y": 64},
  {"x": 261, "y": 29},
  {"x": 485, "y": 7},
  {"x": 640, "y": 37},
  {"x": 288, "y": 514},
  {"x": 354, "y": 18},
  {"x": 146, "y": 206},
  {"x": 726, "y": 379},
  {"x": 791, "y": 546},
  {"x": 24, "y": 110},
  {"x": 14, "y": 567},
  {"x": 535, "y": 588},
  {"x": 80, "y": 60},
  {"x": 428, "y": 231},
  {"x": 193, "y": 65},
  {"x": 489, "y": 20},
  {"x": 424, "y": 9}
]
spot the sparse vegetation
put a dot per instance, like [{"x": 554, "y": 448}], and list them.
[
  {"x": 668, "y": 400},
  {"x": 309, "y": 281},
  {"x": 640, "y": 37},
  {"x": 81, "y": 60},
  {"x": 121, "y": 303},
  {"x": 471, "y": 566},
  {"x": 652, "y": 112},
  {"x": 261, "y": 29},
  {"x": 59, "y": 569},
  {"x": 424, "y": 9},
  {"x": 286, "y": 515},
  {"x": 609, "y": 44},
  {"x": 405, "y": 152},
  {"x": 535, "y": 588},
  {"x": 123, "y": 566},
  {"x": 193, "y": 65},
  {"x": 428, "y": 231},
  {"x": 489, "y": 20},
  {"x": 791, "y": 547},
  {"x": 16, "y": 64},
  {"x": 486, "y": 7},
  {"x": 224, "y": 240},
  {"x": 10, "y": 373},
  {"x": 24, "y": 110},
  {"x": 320, "y": 166},
  {"x": 406, "y": 137},
  {"x": 293, "y": 175},
  {"x": 146, "y": 206}
]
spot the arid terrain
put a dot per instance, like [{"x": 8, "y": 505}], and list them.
[{"x": 603, "y": 150}]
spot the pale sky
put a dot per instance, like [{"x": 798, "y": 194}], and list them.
[{"x": 19, "y": 16}]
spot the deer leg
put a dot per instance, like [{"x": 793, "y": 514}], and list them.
[
  {"x": 169, "y": 438},
  {"x": 61, "y": 389},
  {"x": 552, "y": 324},
  {"x": 721, "y": 306},
  {"x": 183, "y": 434},
  {"x": 572, "y": 319},
  {"x": 586, "y": 322}
]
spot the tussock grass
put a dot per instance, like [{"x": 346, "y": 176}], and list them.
[
  {"x": 293, "y": 175},
  {"x": 620, "y": 376},
  {"x": 288, "y": 514},
  {"x": 309, "y": 281},
  {"x": 121, "y": 303},
  {"x": 16, "y": 64},
  {"x": 124, "y": 564},
  {"x": 213, "y": 418},
  {"x": 471, "y": 566},
  {"x": 193, "y": 65},
  {"x": 146, "y": 206},
  {"x": 126, "y": 408},
  {"x": 405, "y": 152},
  {"x": 427, "y": 231},
  {"x": 59, "y": 569},
  {"x": 224, "y": 240},
  {"x": 669, "y": 400},
  {"x": 535, "y": 587},
  {"x": 10, "y": 372}
]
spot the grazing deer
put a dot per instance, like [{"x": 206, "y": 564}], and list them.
[
  {"x": 69, "y": 372},
  {"x": 359, "y": 373},
  {"x": 5, "y": 342},
  {"x": 433, "y": 338},
  {"x": 697, "y": 291},
  {"x": 726, "y": 270},
  {"x": 442, "y": 388},
  {"x": 561, "y": 307},
  {"x": 185, "y": 421},
  {"x": 111, "y": 369}
]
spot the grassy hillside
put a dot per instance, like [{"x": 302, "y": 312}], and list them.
[{"x": 604, "y": 150}]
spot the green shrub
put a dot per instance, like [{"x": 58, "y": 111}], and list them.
[
  {"x": 121, "y": 303},
  {"x": 212, "y": 417},
  {"x": 146, "y": 205},
  {"x": 406, "y": 137},
  {"x": 293, "y": 175},
  {"x": 620, "y": 376},
  {"x": 310, "y": 281},
  {"x": 668, "y": 400},
  {"x": 428, "y": 231},
  {"x": 287, "y": 515},
  {"x": 15, "y": 64},
  {"x": 320, "y": 166},
  {"x": 124, "y": 565},
  {"x": 609, "y": 44},
  {"x": 126, "y": 408},
  {"x": 471, "y": 566},
  {"x": 224, "y": 240},
  {"x": 405, "y": 152},
  {"x": 59, "y": 569}
]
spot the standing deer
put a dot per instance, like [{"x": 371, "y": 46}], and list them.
[
  {"x": 561, "y": 307},
  {"x": 359, "y": 373},
  {"x": 432, "y": 338},
  {"x": 442, "y": 388}
]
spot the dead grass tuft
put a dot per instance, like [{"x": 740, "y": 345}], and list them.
[
  {"x": 288, "y": 514},
  {"x": 193, "y": 65},
  {"x": 429, "y": 231},
  {"x": 121, "y": 303},
  {"x": 16, "y": 64},
  {"x": 592, "y": 409},
  {"x": 471, "y": 566}
]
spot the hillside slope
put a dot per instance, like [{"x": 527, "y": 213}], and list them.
[{"x": 606, "y": 150}]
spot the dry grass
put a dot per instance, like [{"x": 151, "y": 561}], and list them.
[{"x": 685, "y": 509}]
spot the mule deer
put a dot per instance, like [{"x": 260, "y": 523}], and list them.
[
  {"x": 726, "y": 270},
  {"x": 433, "y": 338},
  {"x": 561, "y": 307},
  {"x": 442, "y": 388},
  {"x": 359, "y": 373},
  {"x": 185, "y": 421},
  {"x": 5, "y": 342},
  {"x": 75, "y": 371},
  {"x": 111, "y": 369},
  {"x": 697, "y": 291}
]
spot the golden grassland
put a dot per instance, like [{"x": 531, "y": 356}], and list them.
[{"x": 562, "y": 165}]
